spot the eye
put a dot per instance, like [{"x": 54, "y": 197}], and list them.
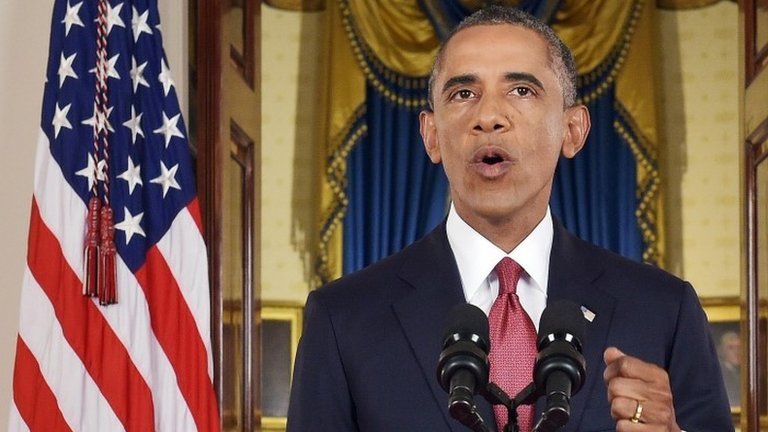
[
  {"x": 463, "y": 94},
  {"x": 523, "y": 91}
]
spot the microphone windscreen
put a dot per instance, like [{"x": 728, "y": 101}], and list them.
[
  {"x": 466, "y": 319},
  {"x": 562, "y": 316}
]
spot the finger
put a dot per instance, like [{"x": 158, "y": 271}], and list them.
[
  {"x": 623, "y": 408},
  {"x": 652, "y": 413},
  {"x": 632, "y": 367},
  {"x": 611, "y": 354},
  {"x": 629, "y": 388},
  {"x": 633, "y": 388}
]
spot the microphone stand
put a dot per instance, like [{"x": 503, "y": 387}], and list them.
[{"x": 496, "y": 396}]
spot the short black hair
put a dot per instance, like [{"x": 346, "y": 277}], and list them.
[{"x": 561, "y": 58}]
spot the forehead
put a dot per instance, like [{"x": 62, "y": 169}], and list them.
[{"x": 500, "y": 47}]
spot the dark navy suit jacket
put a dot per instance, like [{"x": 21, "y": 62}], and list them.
[{"x": 368, "y": 354}]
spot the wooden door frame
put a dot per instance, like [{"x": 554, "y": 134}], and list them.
[
  {"x": 212, "y": 154},
  {"x": 755, "y": 152},
  {"x": 208, "y": 103}
]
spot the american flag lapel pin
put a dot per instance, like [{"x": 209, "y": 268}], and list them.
[{"x": 588, "y": 314}]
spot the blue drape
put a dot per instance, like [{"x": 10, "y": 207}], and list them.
[
  {"x": 396, "y": 195},
  {"x": 594, "y": 194}
]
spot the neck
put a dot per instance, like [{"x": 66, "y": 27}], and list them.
[{"x": 505, "y": 232}]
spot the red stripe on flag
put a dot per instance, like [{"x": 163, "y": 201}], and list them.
[
  {"x": 92, "y": 339},
  {"x": 194, "y": 210},
  {"x": 176, "y": 331},
  {"x": 34, "y": 399}
]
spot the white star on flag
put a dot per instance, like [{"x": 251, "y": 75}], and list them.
[
  {"x": 65, "y": 68},
  {"x": 169, "y": 128},
  {"x": 72, "y": 17},
  {"x": 89, "y": 172},
  {"x": 167, "y": 178},
  {"x": 60, "y": 119},
  {"x": 131, "y": 225},
  {"x": 113, "y": 17},
  {"x": 137, "y": 74},
  {"x": 98, "y": 120},
  {"x": 139, "y": 24},
  {"x": 132, "y": 175},
  {"x": 111, "y": 69},
  {"x": 134, "y": 124},
  {"x": 165, "y": 77}
]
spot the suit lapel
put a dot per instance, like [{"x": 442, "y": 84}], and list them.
[
  {"x": 430, "y": 268},
  {"x": 573, "y": 276}
]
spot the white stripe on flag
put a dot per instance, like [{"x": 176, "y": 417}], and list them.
[
  {"x": 184, "y": 251},
  {"x": 130, "y": 318},
  {"x": 130, "y": 321},
  {"x": 60, "y": 206},
  {"x": 80, "y": 400},
  {"x": 15, "y": 422}
]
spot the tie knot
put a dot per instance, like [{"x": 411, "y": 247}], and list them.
[{"x": 508, "y": 272}]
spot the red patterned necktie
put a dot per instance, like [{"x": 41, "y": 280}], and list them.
[{"x": 513, "y": 343}]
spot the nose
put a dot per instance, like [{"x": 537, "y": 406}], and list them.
[{"x": 490, "y": 116}]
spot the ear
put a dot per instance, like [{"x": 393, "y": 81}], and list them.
[
  {"x": 577, "y": 128},
  {"x": 429, "y": 135}
]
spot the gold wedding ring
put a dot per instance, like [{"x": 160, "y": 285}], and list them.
[{"x": 638, "y": 413}]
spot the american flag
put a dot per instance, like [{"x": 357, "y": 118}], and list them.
[{"x": 144, "y": 363}]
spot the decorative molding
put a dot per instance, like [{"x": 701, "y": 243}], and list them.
[
  {"x": 756, "y": 57},
  {"x": 243, "y": 155},
  {"x": 245, "y": 62}
]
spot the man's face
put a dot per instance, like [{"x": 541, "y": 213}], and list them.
[
  {"x": 499, "y": 122},
  {"x": 731, "y": 349}
]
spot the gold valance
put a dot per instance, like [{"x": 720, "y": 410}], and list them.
[
  {"x": 398, "y": 33},
  {"x": 685, "y": 4}
]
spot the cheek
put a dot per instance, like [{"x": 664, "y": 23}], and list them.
[
  {"x": 543, "y": 149},
  {"x": 452, "y": 162},
  {"x": 551, "y": 140}
]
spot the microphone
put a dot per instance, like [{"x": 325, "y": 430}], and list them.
[
  {"x": 560, "y": 367},
  {"x": 462, "y": 368}
]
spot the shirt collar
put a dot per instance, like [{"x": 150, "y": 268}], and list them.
[{"x": 476, "y": 256}]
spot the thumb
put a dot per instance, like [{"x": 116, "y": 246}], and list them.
[{"x": 612, "y": 354}]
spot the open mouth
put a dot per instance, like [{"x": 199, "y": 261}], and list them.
[
  {"x": 491, "y": 162},
  {"x": 491, "y": 155}
]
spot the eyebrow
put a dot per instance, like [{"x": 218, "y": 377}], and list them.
[
  {"x": 523, "y": 76},
  {"x": 509, "y": 77},
  {"x": 459, "y": 80}
]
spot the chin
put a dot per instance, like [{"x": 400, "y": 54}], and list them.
[{"x": 493, "y": 210}]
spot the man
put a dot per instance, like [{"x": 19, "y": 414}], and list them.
[
  {"x": 729, "y": 352},
  {"x": 503, "y": 112}
]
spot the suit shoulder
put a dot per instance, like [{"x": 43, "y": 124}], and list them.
[{"x": 629, "y": 275}]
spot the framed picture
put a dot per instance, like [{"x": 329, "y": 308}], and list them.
[
  {"x": 281, "y": 326},
  {"x": 724, "y": 316}
]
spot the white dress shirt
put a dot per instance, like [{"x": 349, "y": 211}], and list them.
[{"x": 476, "y": 258}]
